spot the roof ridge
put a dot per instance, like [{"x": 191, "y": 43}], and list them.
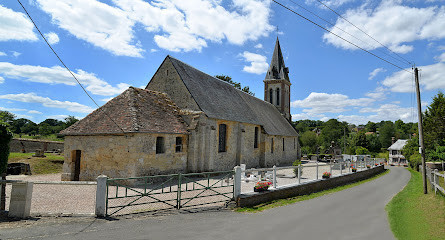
[{"x": 133, "y": 108}]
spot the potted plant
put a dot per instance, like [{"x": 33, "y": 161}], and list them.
[
  {"x": 262, "y": 186},
  {"x": 326, "y": 175},
  {"x": 368, "y": 166},
  {"x": 376, "y": 164},
  {"x": 353, "y": 169}
]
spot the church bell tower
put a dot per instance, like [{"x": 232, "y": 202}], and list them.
[{"x": 277, "y": 83}]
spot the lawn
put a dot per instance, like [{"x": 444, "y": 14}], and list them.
[
  {"x": 414, "y": 215},
  {"x": 52, "y": 163},
  {"x": 283, "y": 202}
]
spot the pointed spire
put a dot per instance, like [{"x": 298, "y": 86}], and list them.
[{"x": 277, "y": 68}]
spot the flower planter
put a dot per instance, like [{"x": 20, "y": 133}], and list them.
[
  {"x": 325, "y": 177},
  {"x": 354, "y": 170},
  {"x": 259, "y": 189}
]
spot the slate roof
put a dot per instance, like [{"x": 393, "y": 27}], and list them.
[
  {"x": 277, "y": 68},
  {"x": 220, "y": 100},
  {"x": 135, "y": 110},
  {"x": 398, "y": 145}
]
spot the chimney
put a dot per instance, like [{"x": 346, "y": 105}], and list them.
[{"x": 393, "y": 140}]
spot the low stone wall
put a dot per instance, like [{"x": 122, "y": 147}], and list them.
[
  {"x": 30, "y": 145},
  {"x": 252, "y": 199}
]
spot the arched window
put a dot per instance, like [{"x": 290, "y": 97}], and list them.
[
  {"x": 271, "y": 95},
  {"x": 255, "y": 140},
  {"x": 160, "y": 148},
  {"x": 278, "y": 96}
]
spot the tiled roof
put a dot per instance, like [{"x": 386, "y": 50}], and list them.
[
  {"x": 135, "y": 110},
  {"x": 398, "y": 145},
  {"x": 220, "y": 100}
]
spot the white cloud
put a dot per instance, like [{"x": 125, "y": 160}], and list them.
[
  {"x": 392, "y": 24},
  {"x": 431, "y": 78},
  {"x": 12, "y": 109},
  {"x": 258, "y": 64},
  {"x": 153, "y": 50},
  {"x": 330, "y": 3},
  {"x": 102, "y": 25},
  {"x": 188, "y": 25},
  {"x": 61, "y": 117},
  {"x": 2, "y": 80},
  {"x": 375, "y": 72},
  {"x": 303, "y": 116},
  {"x": 378, "y": 94},
  {"x": 34, "y": 112},
  {"x": 47, "y": 102},
  {"x": 318, "y": 103},
  {"x": 441, "y": 57},
  {"x": 3, "y": 54},
  {"x": 259, "y": 45},
  {"x": 108, "y": 99},
  {"x": 16, "y": 54},
  {"x": 59, "y": 75},
  {"x": 15, "y": 26},
  {"x": 52, "y": 37}
]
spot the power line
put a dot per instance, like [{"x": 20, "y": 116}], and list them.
[
  {"x": 363, "y": 31},
  {"x": 49, "y": 45},
  {"x": 339, "y": 36},
  {"x": 333, "y": 25}
]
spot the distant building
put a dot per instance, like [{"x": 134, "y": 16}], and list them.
[{"x": 395, "y": 153}]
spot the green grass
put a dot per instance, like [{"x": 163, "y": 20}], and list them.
[
  {"x": 414, "y": 215},
  {"x": 287, "y": 201},
  {"x": 51, "y": 137},
  {"x": 52, "y": 163}
]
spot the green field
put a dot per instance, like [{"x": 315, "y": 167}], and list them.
[
  {"x": 414, "y": 215},
  {"x": 52, "y": 163},
  {"x": 51, "y": 137}
]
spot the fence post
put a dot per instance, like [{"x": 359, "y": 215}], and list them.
[
  {"x": 101, "y": 196},
  {"x": 20, "y": 202},
  {"x": 299, "y": 173},
  {"x": 330, "y": 167},
  {"x": 274, "y": 176},
  {"x": 178, "y": 204},
  {"x": 316, "y": 170},
  {"x": 436, "y": 180},
  {"x": 237, "y": 182}
]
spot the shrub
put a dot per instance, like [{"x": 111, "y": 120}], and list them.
[
  {"x": 297, "y": 163},
  {"x": 415, "y": 160}
]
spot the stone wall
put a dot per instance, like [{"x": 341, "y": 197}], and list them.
[
  {"x": 30, "y": 145},
  {"x": 126, "y": 156},
  {"x": 252, "y": 199}
]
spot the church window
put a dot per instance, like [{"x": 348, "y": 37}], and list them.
[
  {"x": 278, "y": 96},
  {"x": 271, "y": 146},
  {"x": 222, "y": 138},
  {"x": 178, "y": 147},
  {"x": 283, "y": 144},
  {"x": 160, "y": 148},
  {"x": 255, "y": 143},
  {"x": 271, "y": 95}
]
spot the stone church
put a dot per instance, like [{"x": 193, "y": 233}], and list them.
[{"x": 185, "y": 121}]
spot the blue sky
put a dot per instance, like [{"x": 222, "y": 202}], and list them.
[{"x": 111, "y": 45}]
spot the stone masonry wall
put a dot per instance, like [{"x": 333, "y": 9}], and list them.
[
  {"x": 30, "y": 145},
  {"x": 123, "y": 156}
]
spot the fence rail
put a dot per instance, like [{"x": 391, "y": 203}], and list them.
[{"x": 433, "y": 177}]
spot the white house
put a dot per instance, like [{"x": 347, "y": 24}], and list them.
[{"x": 395, "y": 153}]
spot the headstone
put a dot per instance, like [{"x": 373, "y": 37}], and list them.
[
  {"x": 39, "y": 153},
  {"x": 20, "y": 201}
]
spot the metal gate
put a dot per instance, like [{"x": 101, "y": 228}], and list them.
[{"x": 173, "y": 191}]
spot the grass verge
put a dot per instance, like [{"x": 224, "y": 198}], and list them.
[
  {"x": 414, "y": 215},
  {"x": 287, "y": 201},
  {"x": 52, "y": 163}
]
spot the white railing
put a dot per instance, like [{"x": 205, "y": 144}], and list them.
[{"x": 291, "y": 175}]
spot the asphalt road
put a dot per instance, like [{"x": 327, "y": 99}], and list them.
[{"x": 354, "y": 213}]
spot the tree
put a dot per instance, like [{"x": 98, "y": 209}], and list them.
[
  {"x": 332, "y": 130},
  {"x": 309, "y": 139},
  {"x": 371, "y": 127},
  {"x": 5, "y": 138},
  {"x": 6, "y": 117},
  {"x": 361, "y": 140},
  {"x": 361, "y": 151},
  {"x": 374, "y": 144},
  {"x": 434, "y": 123},
  {"x": 237, "y": 85},
  {"x": 387, "y": 131}
]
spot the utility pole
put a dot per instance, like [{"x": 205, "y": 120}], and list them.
[{"x": 422, "y": 147}]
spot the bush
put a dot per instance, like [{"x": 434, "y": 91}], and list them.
[
  {"x": 415, "y": 160},
  {"x": 297, "y": 163}
]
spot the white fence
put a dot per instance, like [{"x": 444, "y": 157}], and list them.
[{"x": 282, "y": 176}]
